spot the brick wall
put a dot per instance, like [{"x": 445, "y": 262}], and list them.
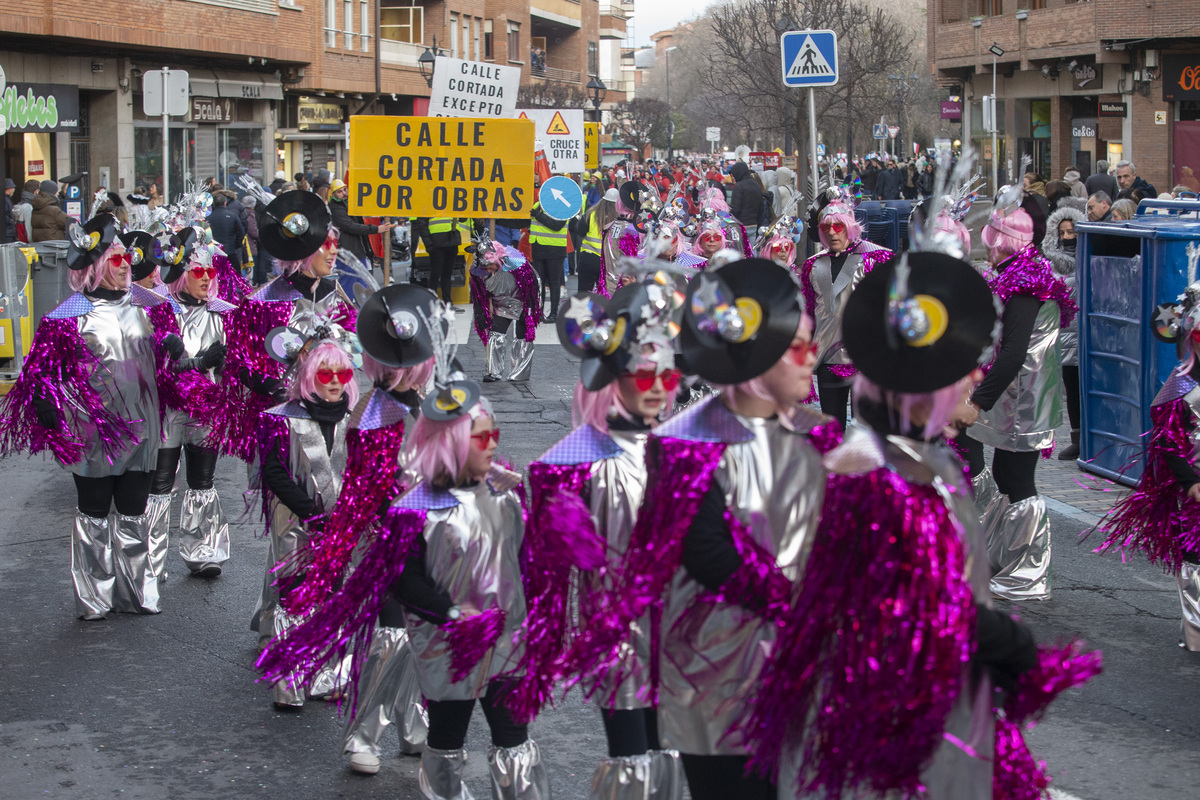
[
  {"x": 1151, "y": 142},
  {"x": 1135, "y": 19}
]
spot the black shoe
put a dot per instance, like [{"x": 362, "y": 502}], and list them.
[
  {"x": 207, "y": 571},
  {"x": 1069, "y": 453},
  {"x": 459, "y": 310},
  {"x": 490, "y": 379},
  {"x": 551, "y": 319}
]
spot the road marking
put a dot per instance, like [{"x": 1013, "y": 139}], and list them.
[
  {"x": 1056, "y": 794},
  {"x": 1068, "y": 510}
]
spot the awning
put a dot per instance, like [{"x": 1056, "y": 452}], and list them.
[
  {"x": 202, "y": 83},
  {"x": 293, "y": 135},
  {"x": 248, "y": 85}
]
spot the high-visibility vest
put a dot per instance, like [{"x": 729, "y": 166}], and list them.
[
  {"x": 440, "y": 224},
  {"x": 594, "y": 237},
  {"x": 464, "y": 231},
  {"x": 541, "y": 234}
]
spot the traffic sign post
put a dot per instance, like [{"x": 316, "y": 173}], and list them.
[
  {"x": 561, "y": 197},
  {"x": 810, "y": 59},
  {"x": 165, "y": 92}
]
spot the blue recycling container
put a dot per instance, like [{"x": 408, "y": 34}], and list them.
[{"x": 1126, "y": 270}]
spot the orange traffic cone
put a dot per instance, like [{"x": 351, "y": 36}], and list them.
[{"x": 541, "y": 167}]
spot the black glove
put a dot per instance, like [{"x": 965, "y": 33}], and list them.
[
  {"x": 47, "y": 414},
  {"x": 174, "y": 346},
  {"x": 213, "y": 357},
  {"x": 1004, "y": 646}
]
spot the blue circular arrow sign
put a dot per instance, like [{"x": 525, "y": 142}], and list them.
[{"x": 561, "y": 197}]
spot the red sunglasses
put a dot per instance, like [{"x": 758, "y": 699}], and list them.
[
  {"x": 122, "y": 257},
  {"x": 199, "y": 272},
  {"x": 645, "y": 378},
  {"x": 483, "y": 438},
  {"x": 343, "y": 375},
  {"x": 833, "y": 226},
  {"x": 799, "y": 353}
]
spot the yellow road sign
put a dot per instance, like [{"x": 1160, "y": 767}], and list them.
[
  {"x": 558, "y": 125},
  {"x": 591, "y": 145},
  {"x": 440, "y": 166}
]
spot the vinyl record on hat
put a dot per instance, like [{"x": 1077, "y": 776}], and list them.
[
  {"x": 451, "y": 402},
  {"x": 295, "y": 225},
  {"x": 595, "y": 329},
  {"x": 174, "y": 251},
  {"x": 140, "y": 246},
  {"x": 629, "y": 192},
  {"x": 391, "y": 329},
  {"x": 283, "y": 344},
  {"x": 1166, "y": 324},
  {"x": 90, "y": 240},
  {"x": 957, "y": 319},
  {"x": 739, "y": 320}
]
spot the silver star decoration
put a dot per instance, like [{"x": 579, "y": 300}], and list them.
[
  {"x": 707, "y": 293},
  {"x": 580, "y": 310}
]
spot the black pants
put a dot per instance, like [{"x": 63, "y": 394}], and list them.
[
  {"x": 502, "y": 324},
  {"x": 262, "y": 267},
  {"x": 550, "y": 270},
  {"x": 723, "y": 778},
  {"x": 201, "y": 468},
  {"x": 630, "y": 733},
  {"x": 834, "y": 394},
  {"x": 1070, "y": 377},
  {"x": 1014, "y": 472},
  {"x": 590, "y": 265},
  {"x": 449, "y": 720},
  {"x": 129, "y": 491},
  {"x": 441, "y": 268}
]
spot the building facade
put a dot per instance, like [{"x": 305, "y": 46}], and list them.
[{"x": 1078, "y": 81}]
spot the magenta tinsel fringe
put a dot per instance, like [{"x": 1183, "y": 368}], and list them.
[
  {"x": 827, "y": 436},
  {"x": 679, "y": 473},
  {"x": 602, "y": 279},
  {"x": 346, "y": 621},
  {"x": 758, "y": 584},
  {"x": 843, "y": 370},
  {"x": 235, "y": 423},
  {"x": 57, "y": 369},
  {"x": 1158, "y": 518},
  {"x": 1016, "y": 775},
  {"x": 470, "y": 639},
  {"x": 878, "y": 660},
  {"x": 483, "y": 313},
  {"x": 371, "y": 459},
  {"x": 1029, "y": 273},
  {"x": 630, "y": 242},
  {"x": 529, "y": 290},
  {"x": 188, "y": 391},
  {"x": 231, "y": 286},
  {"x": 746, "y": 249}
]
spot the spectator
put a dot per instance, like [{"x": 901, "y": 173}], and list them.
[
  {"x": 8, "y": 223},
  {"x": 320, "y": 184},
  {"x": 887, "y": 185},
  {"x": 785, "y": 191},
  {"x": 280, "y": 180},
  {"x": 869, "y": 175},
  {"x": 927, "y": 180},
  {"x": 1123, "y": 210},
  {"x": 912, "y": 182},
  {"x": 766, "y": 204},
  {"x": 23, "y": 211},
  {"x": 1056, "y": 191},
  {"x": 1099, "y": 207},
  {"x": 301, "y": 181},
  {"x": 257, "y": 255},
  {"x": 1101, "y": 181},
  {"x": 49, "y": 222},
  {"x": 746, "y": 199},
  {"x": 1127, "y": 178},
  {"x": 355, "y": 233},
  {"x": 227, "y": 229},
  {"x": 1074, "y": 183}
]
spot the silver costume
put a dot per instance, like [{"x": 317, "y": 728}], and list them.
[
  {"x": 110, "y": 558},
  {"x": 831, "y": 296},
  {"x": 387, "y": 694},
  {"x": 613, "y": 254},
  {"x": 712, "y": 653},
  {"x": 509, "y": 356},
  {"x": 1188, "y": 580}
]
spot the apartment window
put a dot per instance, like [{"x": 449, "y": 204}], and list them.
[
  {"x": 340, "y": 17},
  {"x": 993, "y": 8},
  {"x": 466, "y": 40},
  {"x": 514, "y": 41},
  {"x": 489, "y": 48},
  {"x": 1035, "y": 5},
  {"x": 593, "y": 64},
  {"x": 454, "y": 35},
  {"x": 400, "y": 21},
  {"x": 478, "y": 28}
]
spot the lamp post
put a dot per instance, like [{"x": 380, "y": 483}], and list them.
[
  {"x": 670, "y": 122},
  {"x": 598, "y": 90},
  {"x": 996, "y": 51},
  {"x": 426, "y": 62}
]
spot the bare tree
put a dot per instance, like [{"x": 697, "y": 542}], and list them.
[
  {"x": 548, "y": 94},
  {"x": 640, "y": 121}
]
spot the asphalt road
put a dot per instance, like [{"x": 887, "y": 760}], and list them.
[{"x": 167, "y": 705}]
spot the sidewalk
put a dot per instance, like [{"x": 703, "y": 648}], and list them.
[{"x": 1082, "y": 491}]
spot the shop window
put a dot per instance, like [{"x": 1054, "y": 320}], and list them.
[
  {"x": 239, "y": 152},
  {"x": 1189, "y": 110},
  {"x": 593, "y": 58},
  {"x": 489, "y": 49},
  {"x": 147, "y": 146},
  {"x": 400, "y": 21},
  {"x": 514, "y": 41}
]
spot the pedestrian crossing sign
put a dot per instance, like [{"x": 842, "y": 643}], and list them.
[{"x": 809, "y": 58}]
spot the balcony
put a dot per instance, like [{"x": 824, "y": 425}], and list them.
[
  {"x": 400, "y": 53},
  {"x": 554, "y": 75},
  {"x": 612, "y": 22},
  {"x": 560, "y": 12}
]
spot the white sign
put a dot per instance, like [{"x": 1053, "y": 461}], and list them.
[
  {"x": 712, "y": 134},
  {"x": 893, "y": 131},
  {"x": 174, "y": 95},
  {"x": 559, "y": 132},
  {"x": 879, "y": 131},
  {"x": 473, "y": 89},
  {"x": 809, "y": 58}
]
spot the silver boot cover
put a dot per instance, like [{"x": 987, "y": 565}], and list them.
[
  {"x": 657, "y": 775},
  {"x": 1019, "y": 551},
  {"x": 385, "y": 695},
  {"x": 331, "y": 680},
  {"x": 203, "y": 529},
  {"x": 158, "y": 508},
  {"x": 440, "y": 776},
  {"x": 92, "y": 570},
  {"x": 666, "y": 775},
  {"x": 496, "y": 351},
  {"x": 287, "y": 691},
  {"x": 989, "y": 502},
  {"x": 1189, "y": 601},
  {"x": 136, "y": 589},
  {"x": 521, "y": 359},
  {"x": 518, "y": 772}
]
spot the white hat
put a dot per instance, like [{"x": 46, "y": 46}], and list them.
[
  {"x": 612, "y": 195},
  {"x": 281, "y": 175}
]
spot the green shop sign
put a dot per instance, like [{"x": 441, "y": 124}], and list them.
[{"x": 34, "y": 107}]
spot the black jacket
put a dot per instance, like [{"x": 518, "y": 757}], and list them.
[
  {"x": 354, "y": 231},
  {"x": 543, "y": 251},
  {"x": 1102, "y": 182},
  {"x": 435, "y": 241},
  {"x": 228, "y": 231},
  {"x": 887, "y": 185},
  {"x": 746, "y": 199},
  {"x": 8, "y": 230}
]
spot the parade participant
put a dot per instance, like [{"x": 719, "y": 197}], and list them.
[
  {"x": 1018, "y": 405},
  {"x": 623, "y": 238},
  {"x": 779, "y": 242},
  {"x": 587, "y": 489},
  {"x": 195, "y": 318},
  {"x": 1059, "y": 247},
  {"x": 826, "y": 280},
  {"x": 713, "y": 206},
  {"x": 303, "y": 458},
  {"x": 1161, "y": 517},
  {"x": 449, "y": 551},
  {"x": 143, "y": 265},
  {"x": 505, "y": 290},
  {"x": 709, "y": 239},
  {"x": 595, "y": 225},
  {"x": 87, "y": 394}
]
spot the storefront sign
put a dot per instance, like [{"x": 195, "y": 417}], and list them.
[
  {"x": 1181, "y": 78},
  {"x": 311, "y": 116},
  {"x": 560, "y": 134},
  {"x": 1083, "y": 129},
  {"x": 36, "y": 168},
  {"x": 425, "y": 167},
  {"x": 210, "y": 109},
  {"x": 473, "y": 89},
  {"x": 32, "y": 107},
  {"x": 1113, "y": 109},
  {"x": 951, "y": 110},
  {"x": 1086, "y": 77}
]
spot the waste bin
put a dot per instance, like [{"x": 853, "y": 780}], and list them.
[
  {"x": 50, "y": 285},
  {"x": 1126, "y": 270}
]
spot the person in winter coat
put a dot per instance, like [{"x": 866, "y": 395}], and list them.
[
  {"x": 49, "y": 222},
  {"x": 355, "y": 232},
  {"x": 785, "y": 190},
  {"x": 887, "y": 185},
  {"x": 23, "y": 211},
  {"x": 746, "y": 199},
  {"x": 1058, "y": 246},
  {"x": 442, "y": 239},
  {"x": 1075, "y": 181},
  {"x": 258, "y": 256},
  {"x": 926, "y": 180},
  {"x": 870, "y": 177},
  {"x": 227, "y": 229},
  {"x": 1101, "y": 181},
  {"x": 280, "y": 180}
]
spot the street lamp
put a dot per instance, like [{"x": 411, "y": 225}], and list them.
[
  {"x": 670, "y": 122},
  {"x": 598, "y": 90},
  {"x": 426, "y": 61},
  {"x": 996, "y": 51}
]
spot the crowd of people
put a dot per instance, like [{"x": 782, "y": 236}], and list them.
[{"x": 694, "y": 556}]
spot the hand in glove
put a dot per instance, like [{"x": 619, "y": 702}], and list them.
[
  {"x": 47, "y": 414},
  {"x": 174, "y": 346},
  {"x": 213, "y": 357}
]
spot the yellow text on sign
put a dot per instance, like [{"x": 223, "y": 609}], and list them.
[
  {"x": 440, "y": 166},
  {"x": 591, "y": 145}
]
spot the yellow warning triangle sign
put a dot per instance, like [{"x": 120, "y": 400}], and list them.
[
  {"x": 558, "y": 125},
  {"x": 522, "y": 115}
]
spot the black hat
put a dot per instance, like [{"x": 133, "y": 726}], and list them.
[
  {"x": 391, "y": 329},
  {"x": 630, "y": 191},
  {"x": 174, "y": 251},
  {"x": 140, "y": 246},
  {"x": 295, "y": 226},
  {"x": 594, "y": 328},
  {"x": 739, "y": 320},
  {"x": 452, "y": 401},
  {"x": 90, "y": 241},
  {"x": 138, "y": 199},
  {"x": 925, "y": 335}
]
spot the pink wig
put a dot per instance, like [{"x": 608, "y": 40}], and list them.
[
  {"x": 88, "y": 280},
  {"x": 1006, "y": 234},
  {"x": 327, "y": 355},
  {"x": 697, "y": 250},
  {"x": 853, "y": 229},
  {"x": 391, "y": 377},
  {"x": 791, "y": 249},
  {"x": 757, "y": 387},
  {"x": 288, "y": 267},
  {"x": 439, "y": 450},
  {"x": 594, "y": 408},
  {"x": 938, "y": 405},
  {"x": 714, "y": 198},
  {"x": 624, "y": 210},
  {"x": 949, "y": 224},
  {"x": 180, "y": 284}
]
